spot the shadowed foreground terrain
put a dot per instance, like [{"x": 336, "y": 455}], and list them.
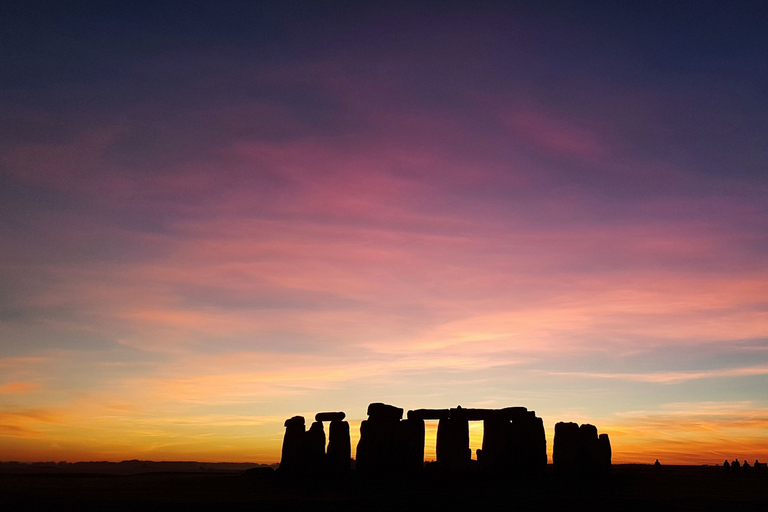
[{"x": 629, "y": 487}]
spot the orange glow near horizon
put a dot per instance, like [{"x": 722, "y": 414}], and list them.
[
  {"x": 38, "y": 435},
  {"x": 692, "y": 452}
]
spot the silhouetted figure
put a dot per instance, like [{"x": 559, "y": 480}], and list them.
[
  {"x": 727, "y": 467},
  {"x": 746, "y": 469},
  {"x": 657, "y": 463},
  {"x": 735, "y": 467}
]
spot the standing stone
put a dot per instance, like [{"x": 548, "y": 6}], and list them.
[
  {"x": 413, "y": 433},
  {"x": 538, "y": 446},
  {"x": 494, "y": 454},
  {"x": 314, "y": 440},
  {"x": 579, "y": 450},
  {"x": 518, "y": 444},
  {"x": 339, "y": 448},
  {"x": 590, "y": 458},
  {"x": 364, "y": 447},
  {"x": 566, "y": 452},
  {"x": 381, "y": 447},
  {"x": 527, "y": 443},
  {"x": 293, "y": 445},
  {"x": 452, "y": 448},
  {"x": 604, "y": 446}
]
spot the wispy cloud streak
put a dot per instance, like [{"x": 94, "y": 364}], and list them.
[{"x": 671, "y": 377}]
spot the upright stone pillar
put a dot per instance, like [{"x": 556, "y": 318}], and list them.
[
  {"x": 453, "y": 449},
  {"x": 604, "y": 446},
  {"x": 494, "y": 453},
  {"x": 413, "y": 433},
  {"x": 293, "y": 445},
  {"x": 579, "y": 450},
  {"x": 315, "y": 442},
  {"x": 339, "y": 448},
  {"x": 338, "y": 456},
  {"x": 536, "y": 452},
  {"x": 380, "y": 449},
  {"x": 589, "y": 451},
  {"x": 566, "y": 452}
]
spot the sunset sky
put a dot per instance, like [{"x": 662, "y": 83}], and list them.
[{"x": 215, "y": 216}]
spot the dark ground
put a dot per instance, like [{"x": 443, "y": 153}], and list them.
[{"x": 628, "y": 488}]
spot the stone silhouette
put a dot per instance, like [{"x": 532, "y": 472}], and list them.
[
  {"x": 293, "y": 454},
  {"x": 566, "y": 452},
  {"x": 604, "y": 447},
  {"x": 413, "y": 432},
  {"x": 330, "y": 416},
  {"x": 339, "y": 446},
  {"x": 513, "y": 438},
  {"x": 314, "y": 441},
  {"x": 514, "y": 442},
  {"x": 304, "y": 451},
  {"x": 382, "y": 447},
  {"x": 453, "y": 442},
  {"x": 579, "y": 450}
]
